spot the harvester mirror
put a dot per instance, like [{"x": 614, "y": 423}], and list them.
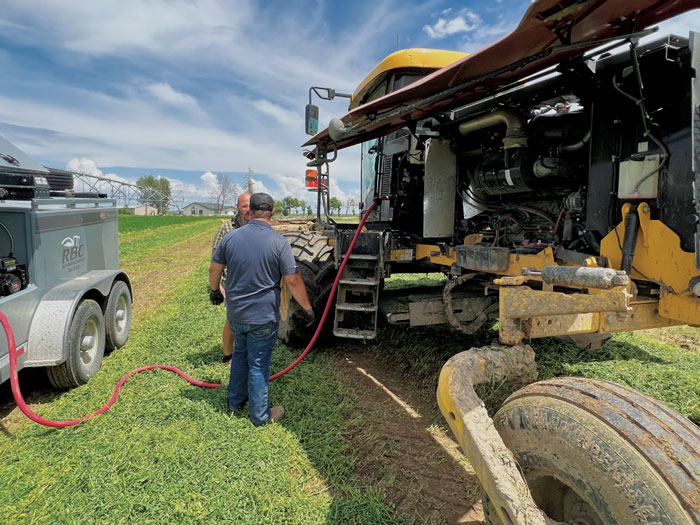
[{"x": 311, "y": 119}]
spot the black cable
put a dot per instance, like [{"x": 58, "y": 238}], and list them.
[{"x": 645, "y": 115}]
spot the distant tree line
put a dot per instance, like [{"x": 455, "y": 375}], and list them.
[{"x": 155, "y": 191}]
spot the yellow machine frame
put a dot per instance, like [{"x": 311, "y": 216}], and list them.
[{"x": 529, "y": 308}]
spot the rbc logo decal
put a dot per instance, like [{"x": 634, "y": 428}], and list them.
[{"x": 72, "y": 249}]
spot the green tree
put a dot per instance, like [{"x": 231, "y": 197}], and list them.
[
  {"x": 278, "y": 207},
  {"x": 309, "y": 210},
  {"x": 336, "y": 204},
  {"x": 288, "y": 203},
  {"x": 155, "y": 191}
]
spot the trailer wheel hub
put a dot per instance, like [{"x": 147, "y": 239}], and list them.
[{"x": 89, "y": 342}]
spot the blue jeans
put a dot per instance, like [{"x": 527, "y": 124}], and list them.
[{"x": 250, "y": 369}]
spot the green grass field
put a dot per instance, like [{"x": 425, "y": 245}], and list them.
[
  {"x": 134, "y": 223},
  {"x": 169, "y": 452}
]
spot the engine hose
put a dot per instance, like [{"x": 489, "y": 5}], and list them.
[{"x": 14, "y": 379}]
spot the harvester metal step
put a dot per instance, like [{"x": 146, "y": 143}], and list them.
[
  {"x": 360, "y": 282},
  {"x": 362, "y": 257},
  {"x": 357, "y": 307},
  {"x": 354, "y": 334}
]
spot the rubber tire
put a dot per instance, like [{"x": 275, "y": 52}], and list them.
[
  {"x": 314, "y": 257},
  {"x": 625, "y": 455},
  {"x": 75, "y": 371},
  {"x": 117, "y": 334}
]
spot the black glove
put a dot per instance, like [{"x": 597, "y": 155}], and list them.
[
  {"x": 310, "y": 318},
  {"x": 216, "y": 297}
]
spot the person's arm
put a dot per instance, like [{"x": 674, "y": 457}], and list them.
[
  {"x": 217, "y": 238},
  {"x": 298, "y": 288},
  {"x": 215, "y": 271}
]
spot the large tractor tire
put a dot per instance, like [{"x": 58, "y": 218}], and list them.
[
  {"x": 86, "y": 347},
  {"x": 596, "y": 452},
  {"x": 314, "y": 257}
]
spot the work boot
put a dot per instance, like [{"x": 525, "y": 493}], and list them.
[
  {"x": 227, "y": 359},
  {"x": 276, "y": 413}
]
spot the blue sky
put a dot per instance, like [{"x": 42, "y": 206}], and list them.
[{"x": 190, "y": 88}]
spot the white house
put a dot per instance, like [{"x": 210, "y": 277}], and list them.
[
  {"x": 206, "y": 208},
  {"x": 145, "y": 209}
]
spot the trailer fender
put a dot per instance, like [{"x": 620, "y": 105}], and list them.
[{"x": 48, "y": 335}]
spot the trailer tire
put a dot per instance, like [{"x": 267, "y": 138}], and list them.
[
  {"x": 598, "y": 452},
  {"x": 84, "y": 355},
  {"x": 118, "y": 316},
  {"x": 314, "y": 257}
]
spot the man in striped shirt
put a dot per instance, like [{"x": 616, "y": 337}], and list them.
[{"x": 241, "y": 219}]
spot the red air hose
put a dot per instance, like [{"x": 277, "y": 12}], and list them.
[
  {"x": 14, "y": 383},
  {"x": 330, "y": 297},
  {"x": 14, "y": 380}
]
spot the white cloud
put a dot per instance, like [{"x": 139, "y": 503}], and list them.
[
  {"x": 259, "y": 187},
  {"x": 165, "y": 93},
  {"x": 89, "y": 167},
  {"x": 209, "y": 181},
  {"x": 282, "y": 115},
  {"x": 464, "y": 22},
  {"x": 84, "y": 166}
]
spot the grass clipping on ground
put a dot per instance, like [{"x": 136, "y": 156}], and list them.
[{"x": 170, "y": 452}]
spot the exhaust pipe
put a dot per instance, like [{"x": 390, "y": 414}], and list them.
[{"x": 515, "y": 127}]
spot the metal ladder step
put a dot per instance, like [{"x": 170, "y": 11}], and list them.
[
  {"x": 351, "y": 307},
  {"x": 359, "y": 282},
  {"x": 354, "y": 334},
  {"x": 362, "y": 257}
]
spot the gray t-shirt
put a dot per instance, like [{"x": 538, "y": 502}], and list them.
[{"x": 256, "y": 258}]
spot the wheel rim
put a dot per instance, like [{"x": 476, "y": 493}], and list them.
[
  {"x": 121, "y": 315},
  {"x": 560, "y": 501},
  {"x": 89, "y": 341}
]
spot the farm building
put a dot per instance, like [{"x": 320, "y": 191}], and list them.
[
  {"x": 207, "y": 208},
  {"x": 145, "y": 209}
]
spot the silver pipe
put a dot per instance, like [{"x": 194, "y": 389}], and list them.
[{"x": 515, "y": 132}]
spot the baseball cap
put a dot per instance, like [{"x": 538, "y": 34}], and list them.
[{"x": 261, "y": 201}]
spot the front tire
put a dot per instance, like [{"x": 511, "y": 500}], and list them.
[
  {"x": 314, "y": 257},
  {"x": 86, "y": 347},
  {"x": 596, "y": 452}
]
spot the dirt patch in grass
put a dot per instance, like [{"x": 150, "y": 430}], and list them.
[
  {"x": 401, "y": 446},
  {"x": 685, "y": 337}
]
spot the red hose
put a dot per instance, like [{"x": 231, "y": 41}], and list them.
[
  {"x": 14, "y": 379},
  {"x": 14, "y": 383},
  {"x": 330, "y": 297}
]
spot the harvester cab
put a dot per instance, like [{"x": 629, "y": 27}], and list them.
[
  {"x": 553, "y": 178},
  {"x": 60, "y": 284}
]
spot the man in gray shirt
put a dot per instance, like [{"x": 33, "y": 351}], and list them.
[{"x": 256, "y": 258}]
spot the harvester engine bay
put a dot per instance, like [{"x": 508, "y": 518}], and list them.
[
  {"x": 572, "y": 166},
  {"x": 550, "y": 162}
]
